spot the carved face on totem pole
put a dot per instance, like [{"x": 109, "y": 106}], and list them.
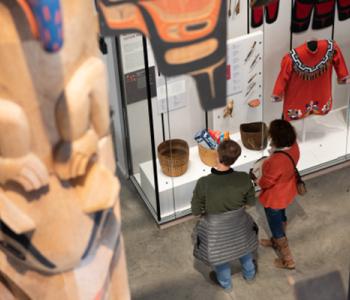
[{"x": 57, "y": 188}]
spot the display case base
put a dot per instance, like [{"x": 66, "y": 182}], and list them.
[{"x": 323, "y": 146}]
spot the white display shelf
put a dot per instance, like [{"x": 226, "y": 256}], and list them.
[
  {"x": 138, "y": 178},
  {"x": 175, "y": 193},
  {"x": 325, "y": 141}
]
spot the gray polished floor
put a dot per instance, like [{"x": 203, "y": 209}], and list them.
[{"x": 161, "y": 265}]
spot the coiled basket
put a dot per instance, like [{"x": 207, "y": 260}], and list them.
[
  {"x": 173, "y": 157},
  {"x": 254, "y": 135}
]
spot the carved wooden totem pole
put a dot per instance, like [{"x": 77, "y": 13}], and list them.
[{"x": 59, "y": 200}]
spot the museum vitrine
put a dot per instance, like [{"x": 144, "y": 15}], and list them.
[{"x": 172, "y": 138}]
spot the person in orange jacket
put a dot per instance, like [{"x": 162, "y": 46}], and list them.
[{"x": 278, "y": 187}]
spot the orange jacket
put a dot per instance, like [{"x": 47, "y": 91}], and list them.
[{"x": 278, "y": 181}]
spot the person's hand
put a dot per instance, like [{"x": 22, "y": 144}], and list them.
[{"x": 276, "y": 99}]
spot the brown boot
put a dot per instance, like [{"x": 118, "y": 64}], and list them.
[
  {"x": 269, "y": 243},
  {"x": 286, "y": 260},
  {"x": 272, "y": 242}
]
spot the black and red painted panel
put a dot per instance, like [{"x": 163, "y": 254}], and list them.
[
  {"x": 188, "y": 37},
  {"x": 343, "y": 9},
  {"x": 323, "y": 12},
  {"x": 270, "y": 11}
]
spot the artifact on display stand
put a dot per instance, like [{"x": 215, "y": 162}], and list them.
[
  {"x": 323, "y": 13},
  {"x": 236, "y": 7},
  {"x": 254, "y": 103},
  {"x": 209, "y": 157},
  {"x": 182, "y": 45},
  {"x": 254, "y": 135},
  {"x": 229, "y": 109},
  {"x": 60, "y": 219},
  {"x": 173, "y": 157},
  {"x": 244, "y": 83},
  {"x": 208, "y": 142},
  {"x": 305, "y": 79},
  {"x": 244, "y": 61},
  {"x": 205, "y": 139},
  {"x": 269, "y": 9}
]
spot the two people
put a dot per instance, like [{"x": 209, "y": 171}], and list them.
[{"x": 226, "y": 231}]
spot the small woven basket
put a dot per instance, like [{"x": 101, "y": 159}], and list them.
[
  {"x": 254, "y": 135},
  {"x": 208, "y": 156},
  {"x": 173, "y": 157}
]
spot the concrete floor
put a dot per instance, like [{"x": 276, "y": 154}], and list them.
[{"x": 161, "y": 265}]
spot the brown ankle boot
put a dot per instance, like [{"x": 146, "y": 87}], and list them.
[
  {"x": 272, "y": 242},
  {"x": 269, "y": 243},
  {"x": 286, "y": 260}
]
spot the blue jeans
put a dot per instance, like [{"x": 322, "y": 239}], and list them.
[
  {"x": 223, "y": 272},
  {"x": 276, "y": 218}
]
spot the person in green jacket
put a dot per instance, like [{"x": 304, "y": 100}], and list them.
[{"x": 222, "y": 191}]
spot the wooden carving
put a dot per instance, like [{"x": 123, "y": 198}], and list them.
[
  {"x": 188, "y": 37},
  {"x": 59, "y": 200}
]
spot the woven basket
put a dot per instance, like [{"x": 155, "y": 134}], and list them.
[
  {"x": 208, "y": 156},
  {"x": 173, "y": 157},
  {"x": 254, "y": 135}
]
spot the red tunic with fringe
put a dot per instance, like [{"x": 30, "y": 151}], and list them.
[{"x": 305, "y": 79}]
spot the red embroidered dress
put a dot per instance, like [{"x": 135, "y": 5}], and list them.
[{"x": 305, "y": 79}]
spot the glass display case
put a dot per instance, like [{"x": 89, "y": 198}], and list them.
[{"x": 163, "y": 114}]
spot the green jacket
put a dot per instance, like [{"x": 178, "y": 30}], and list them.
[{"x": 221, "y": 192}]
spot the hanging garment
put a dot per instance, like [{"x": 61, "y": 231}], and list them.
[
  {"x": 343, "y": 9},
  {"x": 270, "y": 10},
  {"x": 254, "y": 3},
  {"x": 305, "y": 79},
  {"x": 324, "y": 11}
]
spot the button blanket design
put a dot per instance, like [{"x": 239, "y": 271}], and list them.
[{"x": 188, "y": 37}]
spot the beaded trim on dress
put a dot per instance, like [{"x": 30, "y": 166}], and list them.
[{"x": 311, "y": 73}]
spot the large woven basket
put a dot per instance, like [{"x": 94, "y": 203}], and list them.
[
  {"x": 254, "y": 135},
  {"x": 173, "y": 157},
  {"x": 208, "y": 156}
]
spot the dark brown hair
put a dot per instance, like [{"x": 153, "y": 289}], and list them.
[
  {"x": 228, "y": 152},
  {"x": 282, "y": 133}
]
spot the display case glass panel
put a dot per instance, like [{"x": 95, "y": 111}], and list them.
[{"x": 255, "y": 50}]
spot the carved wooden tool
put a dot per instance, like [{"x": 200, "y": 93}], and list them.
[
  {"x": 250, "y": 52},
  {"x": 238, "y": 7},
  {"x": 229, "y": 109}
]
